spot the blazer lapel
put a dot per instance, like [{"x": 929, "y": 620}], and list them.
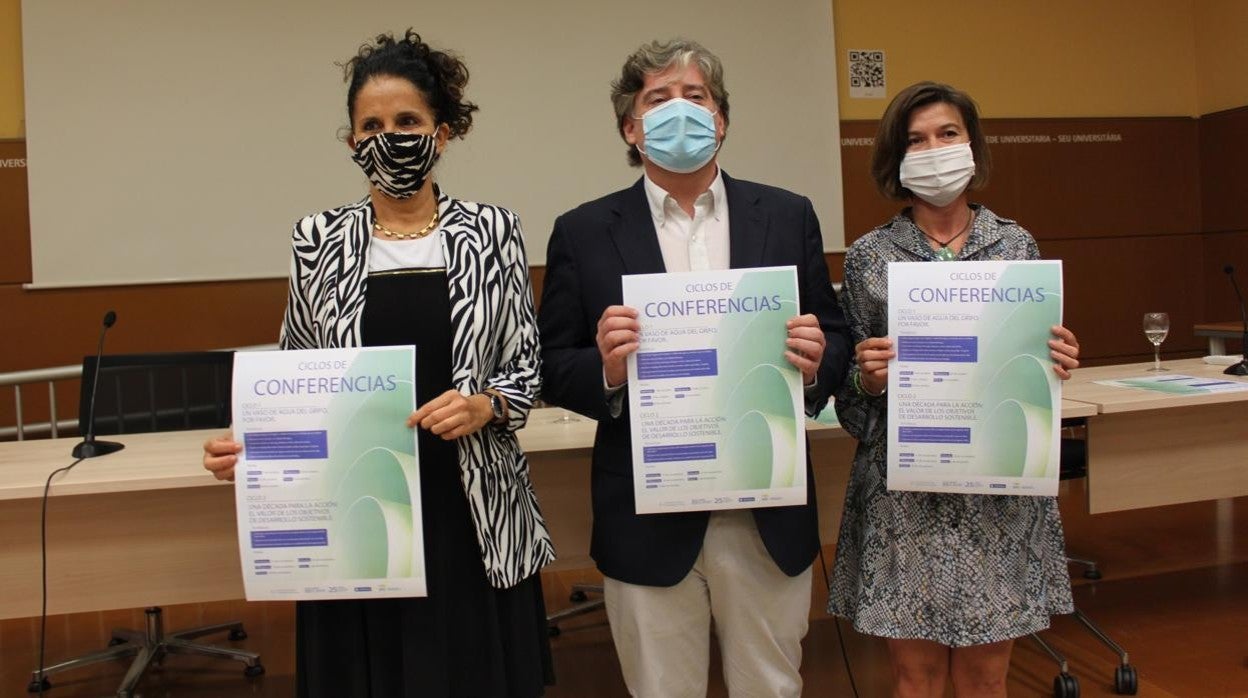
[
  {"x": 349, "y": 286},
  {"x": 747, "y": 225},
  {"x": 464, "y": 243},
  {"x": 633, "y": 233}
]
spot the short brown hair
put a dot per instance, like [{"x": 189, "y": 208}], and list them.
[
  {"x": 656, "y": 57},
  {"x": 892, "y": 138}
]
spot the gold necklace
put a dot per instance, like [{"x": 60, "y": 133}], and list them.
[{"x": 433, "y": 223}]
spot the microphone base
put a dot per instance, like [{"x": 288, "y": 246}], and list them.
[
  {"x": 92, "y": 449},
  {"x": 1239, "y": 369}
]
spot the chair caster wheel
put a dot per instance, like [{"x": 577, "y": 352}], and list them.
[
  {"x": 1065, "y": 686},
  {"x": 553, "y": 630},
  {"x": 37, "y": 685},
  {"x": 236, "y": 635},
  {"x": 578, "y": 597},
  {"x": 114, "y": 641},
  {"x": 1092, "y": 574},
  {"x": 253, "y": 670},
  {"x": 1126, "y": 682}
]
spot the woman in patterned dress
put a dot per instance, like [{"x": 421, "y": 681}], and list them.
[
  {"x": 950, "y": 580},
  {"x": 408, "y": 264}
]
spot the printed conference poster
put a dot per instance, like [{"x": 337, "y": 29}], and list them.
[
  {"x": 974, "y": 405},
  {"x": 327, "y": 487},
  {"x": 1179, "y": 384},
  {"x": 717, "y": 412}
]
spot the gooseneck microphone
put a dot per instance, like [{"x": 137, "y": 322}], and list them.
[
  {"x": 89, "y": 447},
  {"x": 1241, "y": 368}
]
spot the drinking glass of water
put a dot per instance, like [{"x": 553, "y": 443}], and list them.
[{"x": 1156, "y": 327}]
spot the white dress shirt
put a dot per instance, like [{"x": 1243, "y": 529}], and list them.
[{"x": 699, "y": 243}]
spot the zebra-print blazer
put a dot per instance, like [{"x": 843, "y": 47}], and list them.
[{"x": 494, "y": 346}]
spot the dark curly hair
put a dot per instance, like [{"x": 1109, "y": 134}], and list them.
[{"x": 440, "y": 76}]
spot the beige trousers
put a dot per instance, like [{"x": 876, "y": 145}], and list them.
[{"x": 662, "y": 634}]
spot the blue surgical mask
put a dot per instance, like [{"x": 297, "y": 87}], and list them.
[{"x": 680, "y": 136}]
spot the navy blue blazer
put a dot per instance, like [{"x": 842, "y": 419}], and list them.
[{"x": 594, "y": 245}]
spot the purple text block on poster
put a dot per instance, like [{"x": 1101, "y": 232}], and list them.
[
  {"x": 285, "y": 445},
  {"x": 295, "y": 538},
  {"x": 934, "y": 435},
  {"x": 678, "y": 452},
  {"x": 677, "y": 364},
  {"x": 953, "y": 349}
]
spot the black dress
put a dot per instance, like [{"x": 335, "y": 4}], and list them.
[{"x": 466, "y": 638}]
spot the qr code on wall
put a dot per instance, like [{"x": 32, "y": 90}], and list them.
[{"x": 866, "y": 74}]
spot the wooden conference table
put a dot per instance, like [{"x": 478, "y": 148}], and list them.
[
  {"x": 1218, "y": 333},
  {"x": 148, "y": 526},
  {"x": 1148, "y": 449}
]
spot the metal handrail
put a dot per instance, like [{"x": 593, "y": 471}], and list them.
[
  {"x": 39, "y": 375},
  {"x": 53, "y": 426},
  {"x": 50, "y": 375}
]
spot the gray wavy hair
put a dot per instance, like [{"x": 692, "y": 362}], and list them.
[{"x": 657, "y": 57}]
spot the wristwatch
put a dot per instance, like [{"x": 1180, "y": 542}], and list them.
[{"x": 497, "y": 407}]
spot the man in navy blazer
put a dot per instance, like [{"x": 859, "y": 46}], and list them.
[{"x": 668, "y": 575}]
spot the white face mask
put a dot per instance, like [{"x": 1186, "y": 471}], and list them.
[{"x": 940, "y": 175}]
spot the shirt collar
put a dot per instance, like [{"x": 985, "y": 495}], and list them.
[
  {"x": 985, "y": 230},
  {"x": 658, "y": 197}
]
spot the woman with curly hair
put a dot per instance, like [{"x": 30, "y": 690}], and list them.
[{"x": 409, "y": 264}]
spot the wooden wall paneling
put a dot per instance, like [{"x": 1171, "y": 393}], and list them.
[
  {"x": 836, "y": 266},
  {"x": 14, "y": 213},
  {"x": 59, "y": 327},
  {"x": 1067, "y": 186},
  {"x": 537, "y": 276},
  {"x": 1223, "y": 173},
  {"x": 864, "y": 207},
  {"x": 1063, "y": 178},
  {"x": 1221, "y": 304},
  {"x": 1011, "y": 182},
  {"x": 1224, "y": 216},
  {"x": 1111, "y": 282}
]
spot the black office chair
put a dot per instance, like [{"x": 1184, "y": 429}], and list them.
[
  {"x": 146, "y": 393},
  {"x": 582, "y": 604},
  {"x": 1074, "y": 465}
]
